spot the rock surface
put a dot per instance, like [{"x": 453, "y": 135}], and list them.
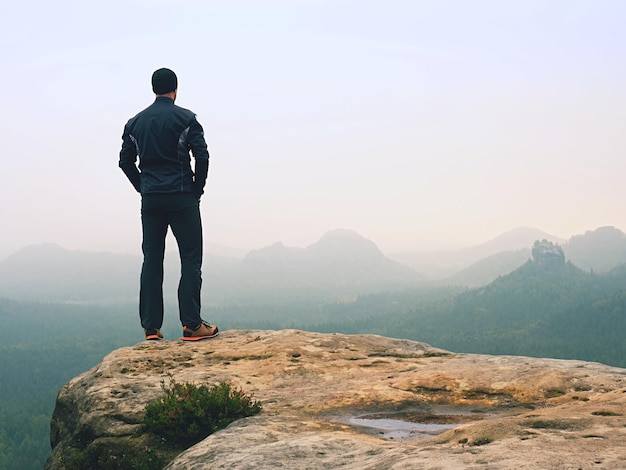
[{"x": 327, "y": 399}]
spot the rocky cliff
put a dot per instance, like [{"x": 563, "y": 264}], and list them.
[{"x": 352, "y": 402}]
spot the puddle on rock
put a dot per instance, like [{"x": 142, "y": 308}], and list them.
[
  {"x": 401, "y": 430},
  {"x": 412, "y": 424}
]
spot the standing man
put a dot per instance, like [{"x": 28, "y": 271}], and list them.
[{"x": 161, "y": 136}]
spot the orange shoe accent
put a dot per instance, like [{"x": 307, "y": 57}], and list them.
[
  {"x": 155, "y": 334},
  {"x": 204, "y": 331}
]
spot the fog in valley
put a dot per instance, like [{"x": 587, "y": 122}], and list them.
[{"x": 448, "y": 172}]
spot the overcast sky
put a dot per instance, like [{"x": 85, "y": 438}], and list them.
[{"x": 415, "y": 123}]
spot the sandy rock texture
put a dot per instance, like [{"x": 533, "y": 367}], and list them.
[{"x": 356, "y": 402}]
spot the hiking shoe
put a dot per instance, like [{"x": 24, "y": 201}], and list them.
[
  {"x": 153, "y": 334},
  {"x": 204, "y": 331}
]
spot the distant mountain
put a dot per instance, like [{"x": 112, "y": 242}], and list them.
[
  {"x": 521, "y": 237},
  {"x": 490, "y": 268},
  {"x": 443, "y": 264},
  {"x": 342, "y": 257},
  {"x": 340, "y": 261},
  {"x": 600, "y": 250}
]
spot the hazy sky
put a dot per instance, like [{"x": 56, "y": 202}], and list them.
[{"x": 412, "y": 122}]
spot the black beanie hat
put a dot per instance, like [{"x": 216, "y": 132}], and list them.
[{"x": 164, "y": 81}]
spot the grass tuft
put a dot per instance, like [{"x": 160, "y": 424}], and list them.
[{"x": 188, "y": 413}]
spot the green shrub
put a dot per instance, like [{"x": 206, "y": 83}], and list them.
[
  {"x": 188, "y": 413},
  {"x": 113, "y": 455},
  {"x": 126, "y": 457}
]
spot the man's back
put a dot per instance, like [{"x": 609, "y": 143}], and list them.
[{"x": 162, "y": 136}]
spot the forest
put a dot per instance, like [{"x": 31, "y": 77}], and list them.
[
  {"x": 543, "y": 311},
  {"x": 42, "y": 346},
  {"x": 562, "y": 313}
]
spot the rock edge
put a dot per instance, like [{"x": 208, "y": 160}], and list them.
[{"x": 528, "y": 412}]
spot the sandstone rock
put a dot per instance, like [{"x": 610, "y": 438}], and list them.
[
  {"x": 327, "y": 397},
  {"x": 547, "y": 253}
]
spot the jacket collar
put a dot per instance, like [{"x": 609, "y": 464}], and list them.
[{"x": 163, "y": 99}]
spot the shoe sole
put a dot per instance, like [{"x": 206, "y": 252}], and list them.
[
  {"x": 153, "y": 338},
  {"x": 199, "y": 338}
]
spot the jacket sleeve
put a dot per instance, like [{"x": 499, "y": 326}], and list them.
[
  {"x": 200, "y": 152},
  {"x": 128, "y": 160}
]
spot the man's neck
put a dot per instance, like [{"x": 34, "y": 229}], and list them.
[{"x": 171, "y": 95}]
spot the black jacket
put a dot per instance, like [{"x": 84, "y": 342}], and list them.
[{"x": 162, "y": 136}]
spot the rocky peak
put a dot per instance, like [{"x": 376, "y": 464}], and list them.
[
  {"x": 354, "y": 402},
  {"x": 547, "y": 253}
]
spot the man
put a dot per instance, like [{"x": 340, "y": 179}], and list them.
[{"x": 161, "y": 136}]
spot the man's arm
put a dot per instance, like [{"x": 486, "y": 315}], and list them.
[
  {"x": 128, "y": 160},
  {"x": 200, "y": 152}
]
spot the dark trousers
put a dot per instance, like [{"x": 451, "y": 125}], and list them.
[{"x": 181, "y": 212}]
